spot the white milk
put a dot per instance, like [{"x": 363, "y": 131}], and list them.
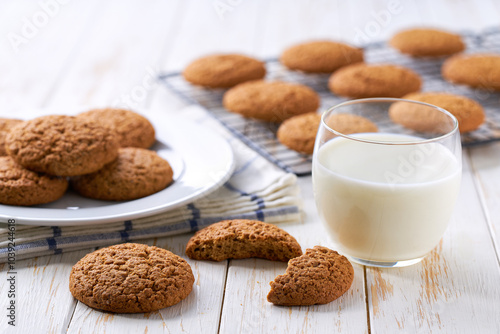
[{"x": 385, "y": 202}]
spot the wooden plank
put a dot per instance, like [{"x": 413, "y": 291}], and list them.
[
  {"x": 455, "y": 289},
  {"x": 43, "y": 301},
  {"x": 246, "y": 309},
  {"x": 119, "y": 57},
  {"x": 486, "y": 168},
  {"x": 198, "y": 313},
  {"x": 29, "y": 74}
]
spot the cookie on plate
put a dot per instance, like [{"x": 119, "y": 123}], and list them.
[
  {"x": 136, "y": 173},
  {"x": 271, "y": 101},
  {"x": 5, "y": 125},
  {"x": 223, "y": 70},
  {"x": 319, "y": 276},
  {"x": 241, "y": 239},
  {"x": 61, "y": 145},
  {"x": 424, "y": 42},
  {"x": 19, "y": 186},
  {"x": 132, "y": 129},
  {"x": 320, "y": 56},
  {"x": 474, "y": 70},
  {"x": 469, "y": 113},
  {"x": 131, "y": 278},
  {"x": 366, "y": 80}
]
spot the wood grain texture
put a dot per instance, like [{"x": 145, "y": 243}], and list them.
[
  {"x": 43, "y": 301},
  {"x": 198, "y": 313},
  {"x": 455, "y": 289}
]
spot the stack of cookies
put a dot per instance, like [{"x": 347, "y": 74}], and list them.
[
  {"x": 295, "y": 105},
  {"x": 102, "y": 153}
]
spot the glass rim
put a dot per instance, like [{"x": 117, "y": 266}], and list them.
[{"x": 380, "y": 142}]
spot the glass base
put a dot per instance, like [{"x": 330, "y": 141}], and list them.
[{"x": 396, "y": 264}]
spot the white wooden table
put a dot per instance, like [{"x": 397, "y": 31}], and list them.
[{"x": 60, "y": 53}]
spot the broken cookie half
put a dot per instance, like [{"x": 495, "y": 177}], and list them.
[
  {"x": 241, "y": 239},
  {"x": 319, "y": 276}
]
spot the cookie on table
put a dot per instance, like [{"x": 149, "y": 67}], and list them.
[
  {"x": 474, "y": 70},
  {"x": 136, "y": 173},
  {"x": 319, "y": 276},
  {"x": 241, "y": 239},
  {"x": 271, "y": 101},
  {"x": 320, "y": 56},
  {"x": 19, "y": 186},
  {"x": 223, "y": 70},
  {"x": 61, "y": 145},
  {"x": 132, "y": 129},
  {"x": 366, "y": 80},
  {"x": 131, "y": 278},
  {"x": 5, "y": 125},
  {"x": 469, "y": 113},
  {"x": 425, "y": 42}
]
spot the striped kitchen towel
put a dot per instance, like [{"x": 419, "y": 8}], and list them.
[{"x": 256, "y": 190}]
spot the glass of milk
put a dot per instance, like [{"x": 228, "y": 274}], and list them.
[{"x": 386, "y": 197}]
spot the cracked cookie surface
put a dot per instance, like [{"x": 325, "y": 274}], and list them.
[
  {"x": 131, "y": 278},
  {"x": 61, "y": 145},
  {"x": 132, "y": 129},
  {"x": 319, "y": 276},
  {"x": 136, "y": 173},
  {"x": 19, "y": 186}
]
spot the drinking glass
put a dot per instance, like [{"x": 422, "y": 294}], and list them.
[{"x": 386, "y": 197}]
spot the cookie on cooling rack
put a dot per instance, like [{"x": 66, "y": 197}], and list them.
[
  {"x": 271, "y": 101},
  {"x": 320, "y": 56},
  {"x": 474, "y": 70},
  {"x": 132, "y": 129},
  {"x": 5, "y": 125},
  {"x": 136, "y": 173},
  {"x": 61, "y": 145},
  {"x": 223, "y": 70},
  {"x": 19, "y": 186},
  {"x": 469, "y": 113},
  {"x": 241, "y": 239},
  {"x": 131, "y": 278},
  {"x": 319, "y": 276},
  {"x": 368, "y": 80},
  {"x": 425, "y": 42}
]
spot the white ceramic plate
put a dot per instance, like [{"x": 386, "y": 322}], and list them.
[{"x": 201, "y": 160}]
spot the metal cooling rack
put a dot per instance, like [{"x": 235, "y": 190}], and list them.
[{"x": 261, "y": 136}]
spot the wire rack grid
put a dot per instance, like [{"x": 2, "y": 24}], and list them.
[{"x": 261, "y": 136}]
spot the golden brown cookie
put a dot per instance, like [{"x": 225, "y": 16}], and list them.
[
  {"x": 320, "y": 56},
  {"x": 299, "y": 132},
  {"x": 5, "y": 125},
  {"x": 131, "y": 278},
  {"x": 241, "y": 239},
  {"x": 477, "y": 70},
  {"x": 319, "y": 276},
  {"x": 349, "y": 123},
  {"x": 61, "y": 145},
  {"x": 223, "y": 70},
  {"x": 271, "y": 101},
  {"x": 469, "y": 113},
  {"x": 132, "y": 129},
  {"x": 19, "y": 186},
  {"x": 364, "y": 80},
  {"x": 421, "y": 42},
  {"x": 136, "y": 173}
]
